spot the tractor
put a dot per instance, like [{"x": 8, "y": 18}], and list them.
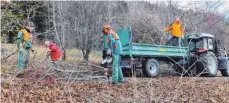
[
  {"x": 199, "y": 54},
  {"x": 206, "y": 56}
]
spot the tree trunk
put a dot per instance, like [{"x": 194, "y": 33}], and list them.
[
  {"x": 86, "y": 54},
  {"x": 64, "y": 54}
]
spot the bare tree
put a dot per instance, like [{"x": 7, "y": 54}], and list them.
[{"x": 81, "y": 22}]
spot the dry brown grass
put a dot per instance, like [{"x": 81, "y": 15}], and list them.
[
  {"x": 53, "y": 88},
  {"x": 140, "y": 90}
]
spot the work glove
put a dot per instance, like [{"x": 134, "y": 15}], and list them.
[{"x": 107, "y": 60}]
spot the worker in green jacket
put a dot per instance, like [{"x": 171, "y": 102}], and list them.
[
  {"x": 114, "y": 44},
  {"x": 24, "y": 44}
]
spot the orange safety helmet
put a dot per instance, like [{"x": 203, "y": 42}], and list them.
[
  {"x": 177, "y": 20},
  {"x": 106, "y": 28}
]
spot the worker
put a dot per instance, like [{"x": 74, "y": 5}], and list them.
[
  {"x": 24, "y": 44},
  {"x": 177, "y": 32},
  {"x": 53, "y": 51},
  {"x": 114, "y": 44}
]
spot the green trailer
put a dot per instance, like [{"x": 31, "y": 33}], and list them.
[
  {"x": 148, "y": 50},
  {"x": 147, "y": 56},
  {"x": 197, "y": 54}
]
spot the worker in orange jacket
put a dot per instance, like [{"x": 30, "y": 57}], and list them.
[{"x": 177, "y": 32}]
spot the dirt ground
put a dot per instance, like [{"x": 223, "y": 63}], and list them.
[
  {"x": 138, "y": 90},
  {"x": 37, "y": 85}
]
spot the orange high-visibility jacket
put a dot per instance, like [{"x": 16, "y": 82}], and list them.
[{"x": 176, "y": 29}]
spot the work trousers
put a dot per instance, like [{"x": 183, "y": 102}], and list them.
[{"x": 117, "y": 71}]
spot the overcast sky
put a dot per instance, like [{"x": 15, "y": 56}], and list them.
[{"x": 221, "y": 6}]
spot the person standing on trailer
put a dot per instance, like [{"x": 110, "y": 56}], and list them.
[
  {"x": 114, "y": 44},
  {"x": 177, "y": 32}
]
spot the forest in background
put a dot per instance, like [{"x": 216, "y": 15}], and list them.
[
  {"x": 78, "y": 24},
  {"x": 77, "y": 27}
]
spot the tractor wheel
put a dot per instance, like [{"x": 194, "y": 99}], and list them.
[
  {"x": 225, "y": 72},
  {"x": 207, "y": 64},
  {"x": 180, "y": 67},
  {"x": 150, "y": 68}
]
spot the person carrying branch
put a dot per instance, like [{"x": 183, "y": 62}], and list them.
[
  {"x": 24, "y": 44},
  {"x": 177, "y": 32},
  {"x": 114, "y": 43}
]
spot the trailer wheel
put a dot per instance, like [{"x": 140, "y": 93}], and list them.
[
  {"x": 208, "y": 64},
  {"x": 150, "y": 68},
  {"x": 225, "y": 72}
]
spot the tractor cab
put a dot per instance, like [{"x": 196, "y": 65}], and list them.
[
  {"x": 200, "y": 42},
  {"x": 206, "y": 53}
]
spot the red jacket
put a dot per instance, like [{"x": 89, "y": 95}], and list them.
[{"x": 56, "y": 53}]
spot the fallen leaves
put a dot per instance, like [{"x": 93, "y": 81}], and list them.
[{"x": 162, "y": 89}]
